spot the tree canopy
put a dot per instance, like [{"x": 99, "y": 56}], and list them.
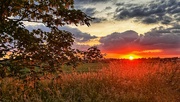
[{"x": 38, "y": 48}]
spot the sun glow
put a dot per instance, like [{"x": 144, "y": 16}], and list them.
[{"x": 131, "y": 57}]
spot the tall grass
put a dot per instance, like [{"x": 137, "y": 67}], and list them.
[{"x": 128, "y": 81}]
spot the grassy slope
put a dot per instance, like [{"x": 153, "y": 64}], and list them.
[{"x": 129, "y": 81}]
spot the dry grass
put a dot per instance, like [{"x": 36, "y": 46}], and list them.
[{"x": 129, "y": 81}]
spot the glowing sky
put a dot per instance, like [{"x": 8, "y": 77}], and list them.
[{"x": 123, "y": 28}]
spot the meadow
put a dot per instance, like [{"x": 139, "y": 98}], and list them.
[{"x": 111, "y": 81}]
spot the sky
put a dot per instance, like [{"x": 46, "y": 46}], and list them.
[{"x": 123, "y": 28}]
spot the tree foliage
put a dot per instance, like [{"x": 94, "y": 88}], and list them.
[
  {"x": 38, "y": 49},
  {"x": 93, "y": 54}
]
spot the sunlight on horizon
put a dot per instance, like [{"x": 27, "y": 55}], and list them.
[{"x": 130, "y": 56}]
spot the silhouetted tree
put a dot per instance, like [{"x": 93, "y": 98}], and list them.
[
  {"x": 93, "y": 54},
  {"x": 38, "y": 50}
]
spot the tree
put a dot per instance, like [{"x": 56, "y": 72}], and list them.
[
  {"x": 23, "y": 49},
  {"x": 93, "y": 54}
]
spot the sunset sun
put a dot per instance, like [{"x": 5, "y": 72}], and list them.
[{"x": 131, "y": 57}]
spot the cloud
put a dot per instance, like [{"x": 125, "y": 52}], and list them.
[
  {"x": 174, "y": 29},
  {"x": 149, "y": 20},
  {"x": 37, "y": 26},
  {"x": 92, "y": 12},
  {"x": 155, "y": 40},
  {"x": 98, "y": 20},
  {"x": 79, "y": 36},
  {"x": 166, "y": 12},
  {"x": 108, "y": 8},
  {"x": 89, "y": 11},
  {"x": 90, "y": 1},
  {"x": 118, "y": 42},
  {"x": 166, "y": 41},
  {"x": 163, "y": 11}
]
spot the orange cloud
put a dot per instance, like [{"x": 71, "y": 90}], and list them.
[{"x": 148, "y": 51}]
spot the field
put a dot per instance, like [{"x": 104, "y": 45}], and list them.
[{"x": 112, "y": 81}]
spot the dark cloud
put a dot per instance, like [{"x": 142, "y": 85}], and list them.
[
  {"x": 149, "y": 20},
  {"x": 108, "y": 8},
  {"x": 156, "y": 11},
  {"x": 90, "y": 1},
  {"x": 89, "y": 11},
  {"x": 167, "y": 40},
  {"x": 119, "y": 4},
  {"x": 177, "y": 17},
  {"x": 118, "y": 41},
  {"x": 166, "y": 20},
  {"x": 174, "y": 29},
  {"x": 160, "y": 40},
  {"x": 98, "y": 20},
  {"x": 79, "y": 36}
]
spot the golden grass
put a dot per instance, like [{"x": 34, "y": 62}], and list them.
[{"x": 129, "y": 81}]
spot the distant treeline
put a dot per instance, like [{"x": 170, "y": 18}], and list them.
[{"x": 172, "y": 59}]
